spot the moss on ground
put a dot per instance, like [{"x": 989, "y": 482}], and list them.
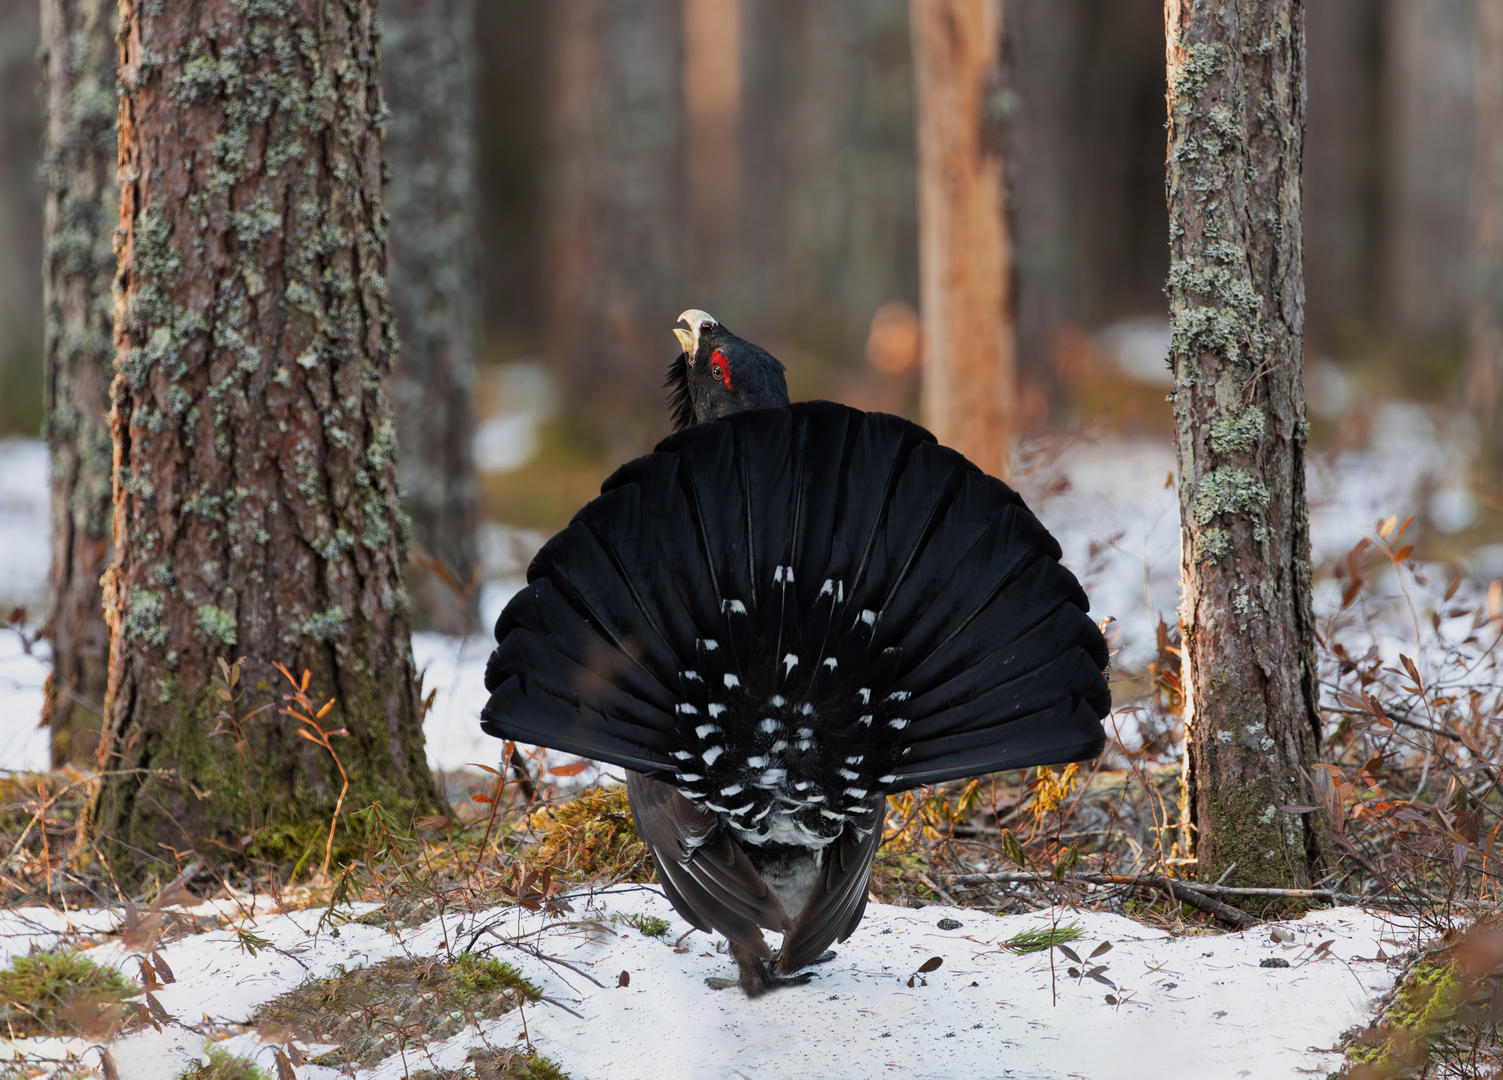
[
  {"x": 64, "y": 993},
  {"x": 505, "y": 1064},
  {"x": 222, "y": 1066},
  {"x": 648, "y": 925},
  {"x": 1443, "y": 1015},
  {"x": 371, "y": 1013},
  {"x": 592, "y": 836}
]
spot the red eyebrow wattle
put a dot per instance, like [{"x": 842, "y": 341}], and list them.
[{"x": 725, "y": 367}]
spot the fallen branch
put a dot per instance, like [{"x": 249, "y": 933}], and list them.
[{"x": 1201, "y": 897}]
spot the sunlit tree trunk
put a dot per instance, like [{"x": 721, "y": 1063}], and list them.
[
  {"x": 1485, "y": 330},
  {"x": 256, "y": 509},
  {"x": 78, "y": 57},
  {"x": 1236, "y": 130},
  {"x": 428, "y": 72},
  {"x": 969, "y": 386},
  {"x": 712, "y": 96}
]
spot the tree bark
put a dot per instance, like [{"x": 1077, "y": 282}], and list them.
[
  {"x": 428, "y": 72},
  {"x": 1236, "y": 126},
  {"x": 1427, "y": 133},
  {"x": 969, "y": 386},
  {"x": 256, "y": 509},
  {"x": 620, "y": 245},
  {"x": 1484, "y": 380},
  {"x": 78, "y": 57}
]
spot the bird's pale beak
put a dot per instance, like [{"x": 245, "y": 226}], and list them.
[{"x": 689, "y": 338}]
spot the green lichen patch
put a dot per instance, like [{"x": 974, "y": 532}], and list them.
[
  {"x": 1239, "y": 432},
  {"x": 1228, "y": 490},
  {"x": 371, "y": 1013},
  {"x": 64, "y": 993},
  {"x": 222, "y": 1066},
  {"x": 1212, "y": 545}
]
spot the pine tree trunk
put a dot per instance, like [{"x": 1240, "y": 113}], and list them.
[
  {"x": 1236, "y": 129},
  {"x": 256, "y": 508},
  {"x": 1484, "y": 381},
  {"x": 969, "y": 386},
  {"x": 78, "y": 58},
  {"x": 428, "y": 72},
  {"x": 619, "y": 235}
]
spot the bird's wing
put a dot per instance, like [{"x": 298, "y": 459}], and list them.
[
  {"x": 835, "y": 908},
  {"x": 707, "y": 876}
]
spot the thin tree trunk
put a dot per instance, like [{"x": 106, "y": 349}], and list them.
[
  {"x": 78, "y": 58},
  {"x": 428, "y": 72},
  {"x": 1484, "y": 381},
  {"x": 1427, "y": 133},
  {"x": 969, "y": 385},
  {"x": 621, "y": 246},
  {"x": 1236, "y": 129},
  {"x": 829, "y": 216},
  {"x": 256, "y": 508}
]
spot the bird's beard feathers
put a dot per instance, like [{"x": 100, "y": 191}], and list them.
[{"x": 680, "y": 399}]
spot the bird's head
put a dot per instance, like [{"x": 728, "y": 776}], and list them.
[{"x": 719, "y": 374}]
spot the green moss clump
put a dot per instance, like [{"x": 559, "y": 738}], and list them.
[
  {"x": 372, "y": 1012},
  {"x": 508, "y": 1064},
  {"x": 471, "y": 975},
  {"x": 592, "y": 835},
  {"x": 63, "y": 993},
  {"x": 222, "y": 1066},
  {"x": 649, "y": 925}
]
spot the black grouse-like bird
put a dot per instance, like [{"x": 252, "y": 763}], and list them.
[{"x": 779, "y": 617}]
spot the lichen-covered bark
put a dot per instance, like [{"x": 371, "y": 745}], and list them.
[
  {"x": 78, "y": 57},
  {"x": 256, "y": 508},
  {"x": 1236, "y": 128},
  {"x": 428, "y": 73}
]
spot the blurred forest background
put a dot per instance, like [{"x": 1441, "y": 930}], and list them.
[{"x": 638, "y": 157}]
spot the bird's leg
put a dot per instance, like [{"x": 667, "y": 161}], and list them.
[{"x": 756, "y": 975}]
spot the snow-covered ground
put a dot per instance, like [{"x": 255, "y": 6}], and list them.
[
  {"x": 1185, "y": 1006},
  {"x": 1190, "y": 1006}
]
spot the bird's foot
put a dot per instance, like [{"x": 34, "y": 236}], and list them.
[
  {"x": 757, "y": 976},
  {"x": 823, "y": 958}
]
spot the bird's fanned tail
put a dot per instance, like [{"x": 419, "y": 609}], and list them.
[{"x": 792, "y": 595}]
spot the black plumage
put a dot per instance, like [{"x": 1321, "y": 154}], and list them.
[{"x": 775, "y": 620}]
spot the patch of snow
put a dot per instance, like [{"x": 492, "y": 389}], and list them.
[
  {"x": 25, "y": 517},
  {"x": 455, "y": 667},
  {"x": 24, "y": 747},
  {"x": 1186, "y": 1006},
  {"x": 506, "y": 442},
  {"x": 1139, "y": 348}
]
